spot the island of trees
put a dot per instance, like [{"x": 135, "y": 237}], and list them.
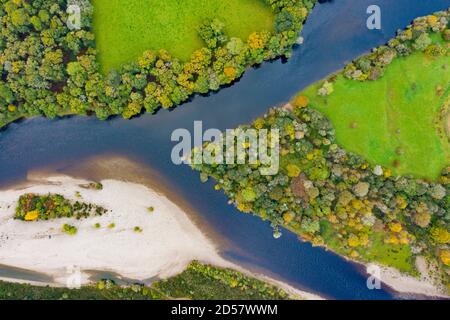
[
  {"x": 34, "y": 207},
  {"x": 342, "y": 200}
]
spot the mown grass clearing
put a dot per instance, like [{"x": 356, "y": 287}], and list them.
[
  {"x": 124, "y": 30},
  {"x": 394, "y": 121},
  {"x": 396, "y": 256}
]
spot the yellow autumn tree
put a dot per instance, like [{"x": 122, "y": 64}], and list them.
[
  {"x": 147, "y": 59},
  {"x": 440, "y": 235},
  {"x": 244, "y": 207},
  {"x": 230, "y": 72},
  {"x": 445, "y": 257},
  {"x": 401, "y": 202},
  {"x": 392, "y": 239},
  {"x": 432, "y": 20},
  {"x": 395, "y": 227},
  {"x": 32, "y": 215},
  {"x": 256, "y": 41},
  {"x": 292, "y": 170},
  {"x": 288, "y": 217},
  {"x": 259, "y": 123},
  {"x": 353, "y": 241},
  {"x": 404, "y": 237},
  {"x": 364, "y": 239},
  {"x": 133, "y": 108}
]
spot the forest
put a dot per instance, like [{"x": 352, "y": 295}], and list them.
[
  {"x": 338, "y": 199},
  {"x": 49, "y": 69}
]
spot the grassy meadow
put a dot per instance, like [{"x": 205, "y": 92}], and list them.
[
  {"x": 397, "y": 256},
  {"x": 393, "y": 121},
  {"x": 125, "y": 29}
]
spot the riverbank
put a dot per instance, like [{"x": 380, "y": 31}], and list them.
[
  {"x": 402, "y": 283},
  {"x": 168, "y": 242}
]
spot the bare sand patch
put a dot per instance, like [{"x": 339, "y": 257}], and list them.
[{"x": 168, "y": 242}]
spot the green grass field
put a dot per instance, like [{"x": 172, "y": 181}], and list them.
[
  {"x": 125, "y": 29},
  {"x": 396, "y": 256},
  {"x": 393, "y": 121}
]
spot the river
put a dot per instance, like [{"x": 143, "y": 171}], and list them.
[{"x": 335, "y": 33}]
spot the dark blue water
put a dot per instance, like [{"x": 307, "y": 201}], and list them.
[{"x": 335, "y": 33}]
